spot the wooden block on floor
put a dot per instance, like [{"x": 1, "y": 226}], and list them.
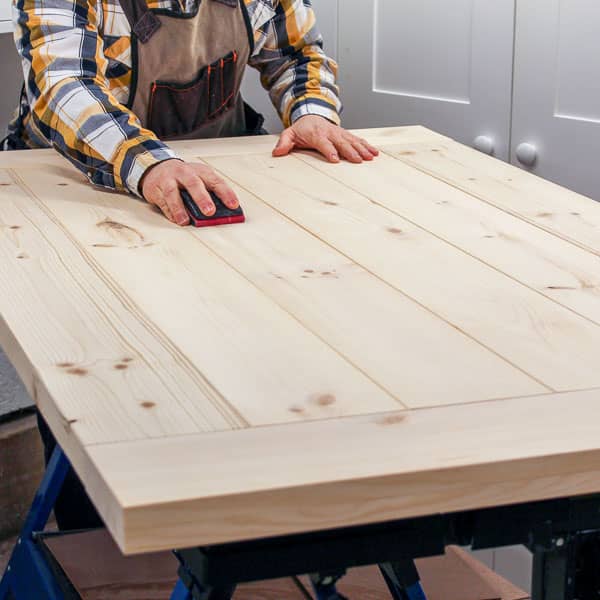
[
  {"x": 21, "y": 470},
  {"x": 458, "y": 575},
  {"x": 99, "y": 571}
]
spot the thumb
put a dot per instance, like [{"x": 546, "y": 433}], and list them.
[{"x": 285, "y": 144}]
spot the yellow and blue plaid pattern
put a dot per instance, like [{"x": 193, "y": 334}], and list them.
[{"x": 77, "y": 60}]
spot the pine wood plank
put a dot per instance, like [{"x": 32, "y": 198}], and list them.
[
  {"x": 545, "y": 340},
  {"x": 378, "y": 329},
  {"x": 339, "y": 472},
  {"x": 197, "y": 149},
  {"x": 207, "y": 313},
  {"x": 68, "y": 329},
  {"x": 547, "y": 205},
  {"x": 544, "y": 262}
]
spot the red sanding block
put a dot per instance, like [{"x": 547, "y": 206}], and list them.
[{"x": 222, "y": 216}]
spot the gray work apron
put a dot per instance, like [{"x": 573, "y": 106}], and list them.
[{"x": 187, "y": 70}]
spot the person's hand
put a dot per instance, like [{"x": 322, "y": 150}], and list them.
[
  {"x": 317, "y": 133},
  {"x": 161, "y": 183}
]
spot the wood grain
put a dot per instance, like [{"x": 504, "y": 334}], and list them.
[
  {"x": 548, "y": 342},
  {"x": 340, "y": 472},
  {"x": 358, "y": 314},
  {"x": 547, "y": 205},
  {"x": 218, "y": 337},
  {"x": 82, "y": 337},
  {"x": 540, "y": 260}
]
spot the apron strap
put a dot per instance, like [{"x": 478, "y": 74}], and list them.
[{"x": 143, "y": 22}]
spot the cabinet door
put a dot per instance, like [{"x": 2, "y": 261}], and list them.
[
  {"x": 557, "y": 92},
  {"x": 446, "y": 65},
  {"x": 5, "y": 16},
  {"x": 5, "y": 10}
]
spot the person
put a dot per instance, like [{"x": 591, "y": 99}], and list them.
[{"x": 108, "y": 83}]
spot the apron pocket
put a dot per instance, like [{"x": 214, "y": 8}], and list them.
[
  {"x": 222, "y": 85},
  {"x": 179, "y": 109}
]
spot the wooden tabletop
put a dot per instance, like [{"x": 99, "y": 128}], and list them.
[{"x": 394, "y": 339}]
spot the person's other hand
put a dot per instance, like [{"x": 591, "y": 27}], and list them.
[
  {"x": 161, "y": 183},
  {"x": 317, "y": 133}
]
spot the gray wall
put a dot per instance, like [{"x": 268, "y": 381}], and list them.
[
  {"x": 12, "y": 393},
  {"x": 11, "y": 78}
]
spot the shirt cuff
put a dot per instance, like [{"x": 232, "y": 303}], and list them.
[
  {"x": 313, "y": 106},
  {"x": 135, "y": 158}
]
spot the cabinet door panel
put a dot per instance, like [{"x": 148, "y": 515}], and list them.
[
  {"x": 557, "y": 91},
  {"x": 5, "y": 13},
  {"x": 444, "y": 65}
]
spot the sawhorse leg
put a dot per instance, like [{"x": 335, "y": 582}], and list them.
[
  {"x": 189, "y": 586},
  {"x": 402, "y": 579},
  {"x": 27, "y": 575},
  {"x": 568, "y": 569},
  {"x": 324, "y": 585},
  {"x": 182, "y": 592}
]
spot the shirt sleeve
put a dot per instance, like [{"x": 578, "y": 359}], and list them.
[
  {"x": 72, "y": 108},
  {"x": 299, "y": 76}
]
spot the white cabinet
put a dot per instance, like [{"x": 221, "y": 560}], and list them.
[
  {"x": 5, "y": 16},
  {"x": 516, "y": 78},
  {"x": 446, "y": 65},
  {"x": 556, "y": 103}
]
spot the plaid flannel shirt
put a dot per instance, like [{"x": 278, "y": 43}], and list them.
[{"x": 77, "y": 59}]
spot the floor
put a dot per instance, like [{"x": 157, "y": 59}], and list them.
[{"x": 5, "y": 549}]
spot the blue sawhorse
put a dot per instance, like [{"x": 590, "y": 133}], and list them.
[{"x": 28, "y": 575}]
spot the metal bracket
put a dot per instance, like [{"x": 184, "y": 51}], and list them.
[
  {"x": 189, "y": 586},
  {"x": 324, "y": 585},
  {"x": 568, "y": 569},
  {"x": 402, "y": 579},
  {"x": 564, "y": 537}
]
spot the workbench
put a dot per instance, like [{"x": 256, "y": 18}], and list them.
[{"x": 407, "y": 345}]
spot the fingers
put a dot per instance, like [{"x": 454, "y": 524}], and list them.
[
  {"x": 217, "y": 184},
  {"x": 366, "y": 151},
  {"x": 328, "y": 149},
  {"x": 369, "y": 147},
  {"x": 347, "y": 150},
  {"x": 162, "y": 184},
  {"x": 197, "y": 190},
  {"x": 355, "y": 149},
  {"x": 285, "y": 144},
  {"x": 164, "y": 207},
  {"x": 172, "y": 198},
  {"x": 313, "y": 132}
]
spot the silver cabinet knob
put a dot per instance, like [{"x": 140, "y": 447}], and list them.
[
  {"x": 484, "y": 144},
  {"x": 527, "y": 154}
]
